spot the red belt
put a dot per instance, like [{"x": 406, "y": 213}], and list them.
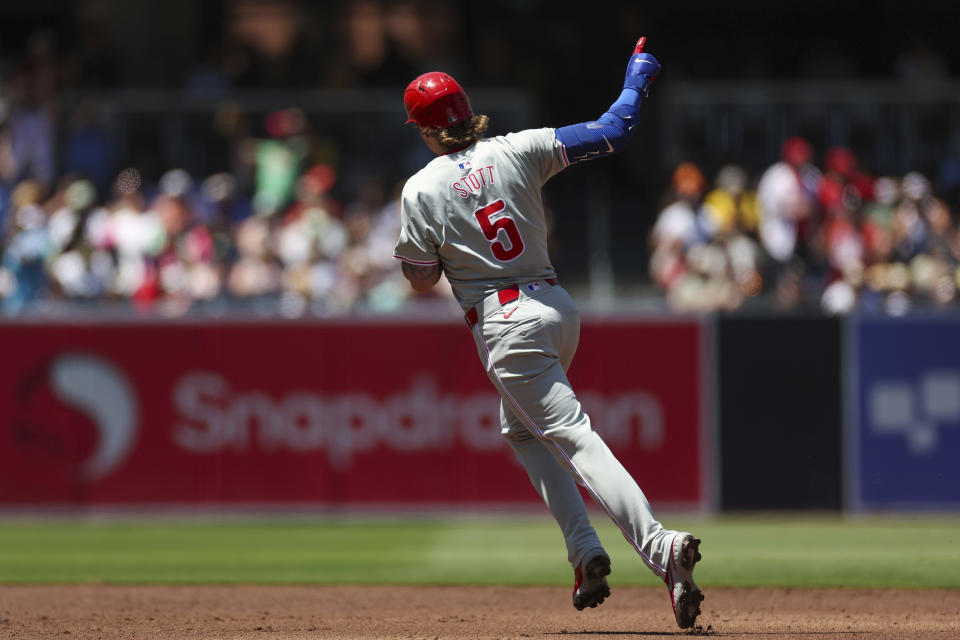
[{"x": 505, "y": 296}]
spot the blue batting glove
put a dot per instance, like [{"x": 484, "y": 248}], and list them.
[{"x": 642, "y": 69}]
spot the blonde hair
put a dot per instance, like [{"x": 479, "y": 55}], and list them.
[{"x": 462, "y": 134}]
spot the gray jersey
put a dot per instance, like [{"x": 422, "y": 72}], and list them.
[{"x": 479, "y": 213}]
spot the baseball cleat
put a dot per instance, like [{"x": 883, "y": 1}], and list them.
[
  {"x": 591, "y": 587},
  {"x": 685, "y": 596}
]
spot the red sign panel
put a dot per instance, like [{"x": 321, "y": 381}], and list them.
[{"x": 327, "y": 413}]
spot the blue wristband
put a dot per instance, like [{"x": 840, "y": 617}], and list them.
[{"x": 605, "y": 136}]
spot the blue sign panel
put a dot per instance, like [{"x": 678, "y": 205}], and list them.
[{"x": 904, "y": 431}]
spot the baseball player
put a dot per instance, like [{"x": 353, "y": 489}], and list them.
[{"x": 475, "y": 214}]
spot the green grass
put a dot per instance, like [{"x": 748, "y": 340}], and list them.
[{"x": 738, "y": 551}]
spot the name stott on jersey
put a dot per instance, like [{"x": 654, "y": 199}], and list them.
[{"x": 479, "y": 212}]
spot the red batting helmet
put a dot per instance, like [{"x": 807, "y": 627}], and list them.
[{"x": 436, "y": 100}]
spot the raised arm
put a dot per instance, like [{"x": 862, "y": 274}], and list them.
[{"x": 611, "y": 131}]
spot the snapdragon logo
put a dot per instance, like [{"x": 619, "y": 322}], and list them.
[
  {"x": 213, "y": 417},
  {"x": 916, "y": 409},
  {"x": 78, "y": 410}
]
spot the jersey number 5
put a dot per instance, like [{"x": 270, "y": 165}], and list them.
[{"x": 491, "y": 230}]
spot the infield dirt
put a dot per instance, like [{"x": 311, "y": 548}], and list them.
[{"x": 280, "y": 612}]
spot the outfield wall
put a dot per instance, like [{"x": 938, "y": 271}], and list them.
[
  {"x": 730, "y": 412},
  {"x": 780, "y": 412},
  {"x": 903, "y": 413},
  {"x": 329, "y": 414}
]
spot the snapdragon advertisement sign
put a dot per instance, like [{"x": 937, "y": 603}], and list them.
[
  {"x": 332, "y": 413},
  {"x": 904, "y": 424}
]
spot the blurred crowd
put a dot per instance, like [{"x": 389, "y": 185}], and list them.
[
  {"x": 285, "y": 220},
  {"x": 268, "y": 212},
  {"x": 797, "y": 237},
  {"x": 183, "y": 244},
  {"x": 270, "y": 238},
  {"x": 805, "y": 236}
]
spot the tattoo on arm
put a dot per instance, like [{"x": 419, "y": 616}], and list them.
[
  {"x": 421, "y": 275},
  {"x": 419, "y": 271}
]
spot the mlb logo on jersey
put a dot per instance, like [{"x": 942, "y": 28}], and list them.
[
  {"x": 464, "y": 166},
  {"x": 533, "y": 286}
]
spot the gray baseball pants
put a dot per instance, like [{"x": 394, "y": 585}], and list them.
[{"x": 527, "y": 346}]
